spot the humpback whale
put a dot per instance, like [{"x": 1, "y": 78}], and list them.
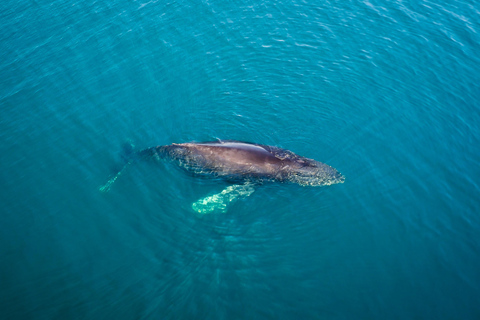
[{"x": 246, "y": 164}]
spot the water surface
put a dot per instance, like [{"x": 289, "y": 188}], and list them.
[{"x": 386, "y": 92}]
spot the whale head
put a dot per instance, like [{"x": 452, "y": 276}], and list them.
[{"x": 314, "y": 173}]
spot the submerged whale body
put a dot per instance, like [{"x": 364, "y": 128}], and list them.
[
  {"x": 247, "y": 164},
  {"x": 242, "y": 161}
]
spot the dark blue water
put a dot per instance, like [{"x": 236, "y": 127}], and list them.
[{"x": 386, "y": 92}]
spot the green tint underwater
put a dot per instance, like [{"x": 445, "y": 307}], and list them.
[{"x": 387, "y": 92}]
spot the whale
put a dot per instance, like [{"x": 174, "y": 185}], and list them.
[
  {"x": 244, "y": 161},
  {"x": 245, "y": 164}
]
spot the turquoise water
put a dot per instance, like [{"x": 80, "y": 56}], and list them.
[{"x": 386, "y": 92}]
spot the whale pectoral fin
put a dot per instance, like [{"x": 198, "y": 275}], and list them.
[{"x": 219, "y": 201}]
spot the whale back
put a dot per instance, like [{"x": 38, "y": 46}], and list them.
[{"x": 239, "y": 160}]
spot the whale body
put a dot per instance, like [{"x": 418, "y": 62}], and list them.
[
  {"x": 244, "y": 161},
  {"x": 246, "y": 164}
]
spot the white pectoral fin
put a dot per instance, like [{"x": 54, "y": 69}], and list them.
[{"x": 219, "y": 201}]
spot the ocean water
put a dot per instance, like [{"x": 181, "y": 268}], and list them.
[{"x": 387, "y": 92}]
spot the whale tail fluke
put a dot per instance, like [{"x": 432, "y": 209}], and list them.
[
  {"x": 127, "y": 155},
  {"x": 128, "y": 152}
]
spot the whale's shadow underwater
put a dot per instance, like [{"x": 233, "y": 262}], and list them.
[{"x": 245, "y": 164}]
